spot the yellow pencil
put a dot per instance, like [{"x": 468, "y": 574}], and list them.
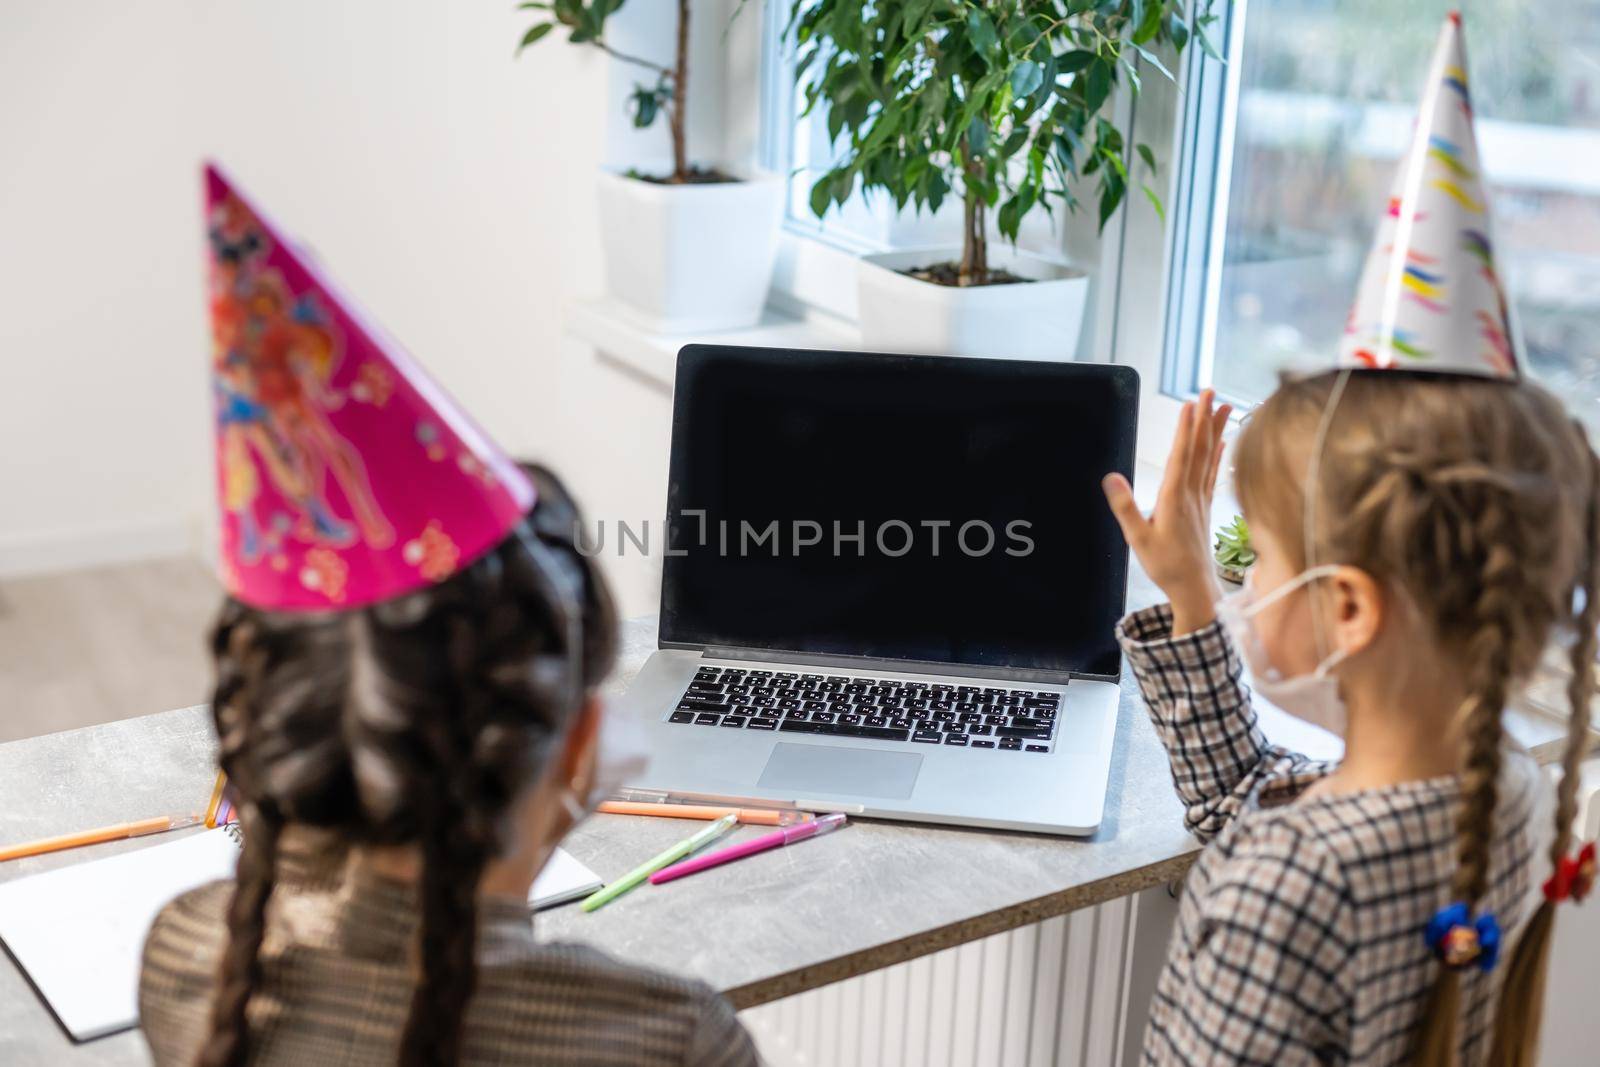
[
  {"x": 216, "y": 798},
  {"x": 95, "y": 837}
]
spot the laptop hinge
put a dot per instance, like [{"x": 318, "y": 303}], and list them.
[{"x": 869, "y": 663}]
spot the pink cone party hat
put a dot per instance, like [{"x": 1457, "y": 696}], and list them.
[
  {"x": 1431, "y": 297},
  {"x": 345, "y": 475}
]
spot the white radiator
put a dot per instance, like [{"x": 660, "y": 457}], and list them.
[
  {"x": 1571, "y": 1029},
  {"x": 1062, "y": 993},
  {"x": 1075, "y": 991}
]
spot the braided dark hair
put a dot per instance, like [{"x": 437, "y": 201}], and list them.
[{"x": 416, "y": 721}]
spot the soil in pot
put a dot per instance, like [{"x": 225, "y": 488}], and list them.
[
  {"x": 949, "y": 273},
  {"x": 696, "y": 176}
]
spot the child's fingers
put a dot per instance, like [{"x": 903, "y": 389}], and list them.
[
  {"x": 1119, "y": 494},
  {"x": 1218, "y": 428},
  {"x": 1175, "y": 476},
  {"x": 1204, "y": 446}
]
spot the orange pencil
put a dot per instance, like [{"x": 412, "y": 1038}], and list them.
[
  {"x": 751, "y": 816},
  {"x": 95, "y": 837}
]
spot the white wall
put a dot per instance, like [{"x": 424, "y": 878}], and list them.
[
  {"x": 445, "y": 184},
  {"x": 102, "y": 391}
]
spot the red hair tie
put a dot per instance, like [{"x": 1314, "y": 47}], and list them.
[{"x": 1574, "y": 876}]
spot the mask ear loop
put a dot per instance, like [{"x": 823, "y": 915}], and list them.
[{"x": 1313, "y": 476}]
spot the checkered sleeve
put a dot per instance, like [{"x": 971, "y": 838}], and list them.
[
  {"x": 1201, "y": 710},
  {"x": 1271, "y": 981}
]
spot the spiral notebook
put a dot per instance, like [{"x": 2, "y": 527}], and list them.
[{"x": 78, "y": 931}]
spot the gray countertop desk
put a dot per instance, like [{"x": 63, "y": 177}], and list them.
[{"x": 869, "y": 896}]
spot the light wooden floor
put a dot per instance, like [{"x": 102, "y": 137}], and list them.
[{"x": 92, "y": 646}]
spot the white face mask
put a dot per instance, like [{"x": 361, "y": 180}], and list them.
[{"x": 1312, "y": 698}]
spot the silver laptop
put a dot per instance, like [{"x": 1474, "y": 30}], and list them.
[{"x": 889, "y": 587}]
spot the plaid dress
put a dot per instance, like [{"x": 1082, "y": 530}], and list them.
[
  {"x": 1299, "y": 936},
  {"x": 338, "y": 974}
]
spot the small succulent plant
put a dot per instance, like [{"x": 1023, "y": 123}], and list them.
[{"x": 1234, "y": 553}]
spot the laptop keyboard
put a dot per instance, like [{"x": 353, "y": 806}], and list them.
[{"x": 957, "y": 716}]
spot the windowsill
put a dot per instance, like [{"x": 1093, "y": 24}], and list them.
[{"x": 618, "y": 335}]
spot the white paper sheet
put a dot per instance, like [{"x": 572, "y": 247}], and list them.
[
  {"x": 78, "y": 931},
  {"x": 562, "y": 879}
]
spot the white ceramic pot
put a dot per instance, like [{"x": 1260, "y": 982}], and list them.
[
  {"x": 1039, "y": 319},
  {"x": 688, "y": 258}
]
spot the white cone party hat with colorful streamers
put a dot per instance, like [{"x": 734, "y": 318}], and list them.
[{"x": 1431, "y": 298}]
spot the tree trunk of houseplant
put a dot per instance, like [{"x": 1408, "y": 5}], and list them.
[
  {"x": 680, "y": 97},
  {"x": 974, "y": 233}
]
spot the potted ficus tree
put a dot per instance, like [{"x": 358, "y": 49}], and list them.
[
  {"x": 687, "y": 247},
  {"x": 999, "y": 104}
]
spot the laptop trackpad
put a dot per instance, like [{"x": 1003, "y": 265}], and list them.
[{"x": 809, "y": 769}]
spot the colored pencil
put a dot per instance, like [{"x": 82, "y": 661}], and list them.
[
  {"x": 668, "y": 810},
  {"x": 95, "y": 837}
]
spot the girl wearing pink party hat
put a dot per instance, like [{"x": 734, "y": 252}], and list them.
[
  {"x": 1426, "y": 520},
  {"x": 405, "y": 666}
]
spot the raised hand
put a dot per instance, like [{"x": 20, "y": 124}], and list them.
[{"x": 1174, "y": 543}]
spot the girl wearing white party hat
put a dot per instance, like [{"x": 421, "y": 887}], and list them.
[{"x": 1426, "y": 520}]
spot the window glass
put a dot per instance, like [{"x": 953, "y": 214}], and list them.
[{"x": 1326, "y": 94}]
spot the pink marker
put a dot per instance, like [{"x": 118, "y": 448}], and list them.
[{"x": 777, "y": 839}]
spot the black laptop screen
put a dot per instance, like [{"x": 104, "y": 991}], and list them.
[{"x": 901, "y": 507}]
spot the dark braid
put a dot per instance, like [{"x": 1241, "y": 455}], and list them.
[
  {"x": 416, "y": 721},
  {"x": 240, "y": 972},
  {"x": 452, "y": 863}
]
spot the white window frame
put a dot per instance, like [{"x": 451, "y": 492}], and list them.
[{"x": 1168, "y": 272}]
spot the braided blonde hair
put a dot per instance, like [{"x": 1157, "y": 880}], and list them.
[{"x": 1477, "y": 501}]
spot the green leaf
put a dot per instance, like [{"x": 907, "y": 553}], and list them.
[
  {"x": 1133, "y": 75},
  {"x": 821, "y": 197},
  {"x": 1155, "y": 202},
  {"x": 1205, "y": 43},
  {"x": 534, "y": 5},
  {"x": 911, "y": 21},
  {"x": 835, "y": 121},
  {"x": 1110, "y": 199},
  {"x": 980, "y": 31},
  {"x": 1150, "y": 58},
  {"x": 1073, "y": 62},
  {"x": 1010, "y": 218},
  {"x": 1099, "y": 85},
  {"x": 1148, "y": 156},
  {"x": 1150, "y": 24},
  {"x": 1178, "y": 30},
  {"x": 1026, "y": 78},
  {"x": 534, "y": 34},
  {"x": 844, "y": 183},
  {"x": 646, "y": 104},
  {"x": 978, "y": 137}
]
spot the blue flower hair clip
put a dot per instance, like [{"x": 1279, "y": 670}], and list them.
[{"x": 1460, "y": 941}]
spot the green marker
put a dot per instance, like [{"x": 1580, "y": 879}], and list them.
[{"x": 672, "y": 855}]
